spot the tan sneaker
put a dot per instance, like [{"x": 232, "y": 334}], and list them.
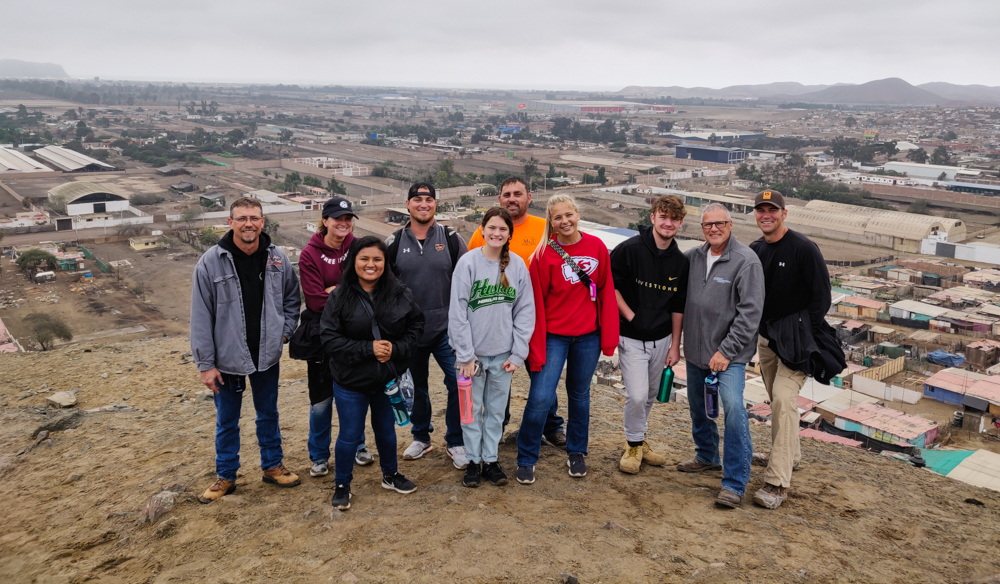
[
  {"x": 219, "y": 489},
  {"x": 650, "y": 457},
  {"x": 695, "y": 465},
  {"x": 281, "y": 476},
  {"x": 631, "y": 460},
  {"x": 770, "y": 497},
  {"x": 761, "y": 459}
]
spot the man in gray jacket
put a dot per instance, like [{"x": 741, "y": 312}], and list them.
[
  {"x": 244, "y": 305},
  {"x": 725, "y": 299}
]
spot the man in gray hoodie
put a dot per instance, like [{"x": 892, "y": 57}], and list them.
[{"x": 725, "y": 299}]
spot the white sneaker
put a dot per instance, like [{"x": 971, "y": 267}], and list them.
[
  {"x": 458, "y": 457},
  {"x": 320, "y": 469},
  {"x": 416, "y": 449},
  {"x": 363, "y": 457}
]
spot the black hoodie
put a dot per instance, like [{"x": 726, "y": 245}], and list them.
[
  {"x": 652, "y": 281},
  {"x": 250, "y": 270}
]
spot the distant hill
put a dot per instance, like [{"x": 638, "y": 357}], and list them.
[
  {"x": 731, "y": 92},
  {"x": 974, "y": 93},
  {"x": 892, "y": 91},
  {"x": 14, "y": 69}
]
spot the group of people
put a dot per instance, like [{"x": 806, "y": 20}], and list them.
[{"x": 525, "y": 292}]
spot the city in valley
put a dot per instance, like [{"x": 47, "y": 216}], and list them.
[{"x": 112, "y": 191}]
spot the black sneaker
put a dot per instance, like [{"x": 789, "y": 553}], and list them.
[
  {"x": 556, "y": 439},
  {"x": 471, "y": 478},
  {"x": 493, "y": 472},
  {"x": 342, "y": 497},
  {"x": 399, "y": 483},
  {"x": 577, "y": 466},
  {"x": 525, "y": 475}
]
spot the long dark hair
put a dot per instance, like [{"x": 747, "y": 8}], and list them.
[
  {"x": 505, "y": 252},
  {"x": 387, "y": 289}
]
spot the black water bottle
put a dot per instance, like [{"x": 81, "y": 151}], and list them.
[{"x": 712, "y": 396}]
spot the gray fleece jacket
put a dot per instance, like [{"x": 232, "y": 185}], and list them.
[
  {"x": 485, "y": 319},
  {"x": 723, "y": 306}
]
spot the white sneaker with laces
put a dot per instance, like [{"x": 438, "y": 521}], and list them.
[
  {"x": 458, "y": 456},
  {"x": 363, "y": 457},
  {"x": 416, "y": 449},
  {"x": 319, "y": 469}
]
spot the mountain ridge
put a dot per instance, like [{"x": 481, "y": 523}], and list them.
[{"x": 16, "y": 69}]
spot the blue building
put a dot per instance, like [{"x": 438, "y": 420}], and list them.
[{"x": 711, "y": 154}]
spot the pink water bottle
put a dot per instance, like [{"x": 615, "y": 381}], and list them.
[{"x": 465, "y": 399}]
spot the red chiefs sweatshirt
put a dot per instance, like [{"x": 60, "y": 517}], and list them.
[
  {"x": 562, "y": 302},
  {"x": 319, "y": 268}
]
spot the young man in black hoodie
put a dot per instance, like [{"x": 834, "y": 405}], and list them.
[{"x": 650, "y": 275}]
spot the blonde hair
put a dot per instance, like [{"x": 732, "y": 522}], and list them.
[
  {"x": 321, "y": 227},
  {"x": 552, "y": 202}
]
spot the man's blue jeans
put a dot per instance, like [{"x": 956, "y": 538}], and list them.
[
  {"x": 737, "y": 445},
  {"x": 420, "y": 417},
  {"x": 228, "y": 403},
  {"x": 352, "y": 408},
  {"x": 580, "y": 355}
]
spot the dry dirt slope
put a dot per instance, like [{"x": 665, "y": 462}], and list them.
[{"x": 852, "y": 517}]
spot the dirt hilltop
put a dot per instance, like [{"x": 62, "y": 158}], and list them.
[{"x": 73, "y": 499}]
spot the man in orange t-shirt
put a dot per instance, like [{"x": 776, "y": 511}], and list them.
[{"x": 528, "y": 231}]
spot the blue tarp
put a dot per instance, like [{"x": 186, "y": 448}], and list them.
[{"x": 947, "y": 359}]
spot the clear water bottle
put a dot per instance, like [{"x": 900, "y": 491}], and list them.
[
  {"x": 465, "y": 399},
  {"x": 398, "y": 404},
  {"x": 712, "y": 396}
]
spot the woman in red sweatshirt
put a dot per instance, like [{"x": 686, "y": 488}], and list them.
[
  {"x": 320, "y": 267},
  {"x": 576, "y": 319}
]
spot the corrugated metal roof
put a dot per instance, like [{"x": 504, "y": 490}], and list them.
[
  {"x": 74, "y": 190},
  {"x": 981, "y": 469},
  {"x": 12, "y": 161},
  {"x": 888, "y": 420},
  {"x": 832, "y": 438},
  {"x": 865, "y": 302},
  {"x": 844, "y": 400},
  {"x": 68, "y": 160},
  {"x": 920, "y": 308},
  {"x": 987, "y": 389},
  {"x": 954, "y": 380}
]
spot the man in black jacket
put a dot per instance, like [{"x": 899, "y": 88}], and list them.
[
  {"x": 650, "y": 275},
  {"x": 795, "y": 279}
]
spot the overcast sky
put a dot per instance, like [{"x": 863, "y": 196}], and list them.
[{"x": 540, "y": 44}]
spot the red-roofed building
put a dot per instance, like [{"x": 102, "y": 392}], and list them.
[
  {"x": 887, "y": 425},
  {"x": 825, "y": 437}
]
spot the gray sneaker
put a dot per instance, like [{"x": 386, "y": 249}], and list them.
[
  {"x": 363, "y": 457},
  {"x": 770, "y": 497},
  {"x": 319, "y": 469},
  {"x": 416, "y": 449},
  {"x": 458, "y": 456}
]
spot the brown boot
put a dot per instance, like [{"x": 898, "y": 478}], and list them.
[
  {"x": 728, "y": 499},
  {"x": 695, "y": 465},
  {"x": 650, "y": 457},
  {"x": 281, "y": 476},
  {"x": 219, "y": 489}
]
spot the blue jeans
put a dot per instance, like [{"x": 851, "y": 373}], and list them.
[
  {"x": 490, "y": 390},
  {"x": 228, "y": 403},
  {"x": 580, "y": 355},
  {"x": 420, "y": 417},
  {"x": 320, "y": 416},
  {"x": 352, "y": 407},
  {"x": 737, "y": 445}
]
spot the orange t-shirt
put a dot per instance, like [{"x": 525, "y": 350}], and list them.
[{"x": 525, "y": 240}]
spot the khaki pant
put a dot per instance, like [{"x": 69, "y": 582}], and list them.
[{"x": 783, "y": 386}]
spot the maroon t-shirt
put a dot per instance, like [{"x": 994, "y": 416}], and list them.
[{"x": 319, "y": 268}]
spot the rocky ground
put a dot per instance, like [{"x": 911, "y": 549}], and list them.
[{"x": 76, "y": 484}]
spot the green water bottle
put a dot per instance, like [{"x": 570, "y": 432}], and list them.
[{"x": 666, "y": 385}]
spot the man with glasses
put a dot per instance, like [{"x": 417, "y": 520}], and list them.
[
  {"x": 650, "y": 275},
  {"x": 244, "y": 305},
  {"x": 725, "y": 296}
]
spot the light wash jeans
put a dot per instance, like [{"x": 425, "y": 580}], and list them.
[
  {"x": 737, "y": 445},
  {"x": 490, "y": 390},
  {"x": 642, "y": 364}
]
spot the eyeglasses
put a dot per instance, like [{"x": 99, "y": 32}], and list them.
[
  {"x": 716, "y": 224},
  {"x": 242, "y": 220}
]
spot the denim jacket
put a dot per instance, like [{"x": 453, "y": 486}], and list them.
[{"x": 218, "y": 325}]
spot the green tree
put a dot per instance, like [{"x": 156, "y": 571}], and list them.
[
  {"x": 207, "y": 237},
  {"x": 22, "y": 112},
  {"x": 285, "y": 136},
  {"x": 919, "y": 156},
  {"x": 191, "y": 213},
  {"x": 47, "y": 328},
  {"x": 530, "y": 168},
  {"x": 943, "y": 176},
  {"x": 33, "y": 258},
  {"x": 81, "y": 129},
  {"x": 70, "y": 114},
  {"x": 949, "y": 136},
  {"x": 267, "y": 172},
  {"x": 664, "y": 126},
  {"x": 601, "y": 177},
  {"x": 271, "y": 226},
  {"x": 335, "y": 187},
  {"x": 312, "y": 181},
  {"x": 850, "y": 122},
  {"x": 940, "y": 156},
  {"x": 919, "y": 207},
  {"x": 235, "y": 136},
  {"x": 712, "y": 138},
  {"x": 467, "y": 201}
]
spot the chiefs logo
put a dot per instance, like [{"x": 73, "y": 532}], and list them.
[{"x": 586, "y": 263}]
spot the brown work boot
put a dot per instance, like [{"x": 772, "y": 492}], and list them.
[
  {"x": 650, "y": 457},
  {"x": 770, "y": 497},
  {"x": 632, "y": 459},
  {"x": 219, "y": 489},
  {"x": 728, "y": 499},
  {"x": 281, "y": 476},
  {"x": 695, "y": 465}
]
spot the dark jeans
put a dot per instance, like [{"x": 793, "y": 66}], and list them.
[
  {"x": 320, "y": 410},
  {"x": 228, "y": 403},
  {"x": 737, "y": 445},
  {"x": 580, "y": 355},
  {"x": 420, "y": 417},
  {"x": 352, "y": 408}
]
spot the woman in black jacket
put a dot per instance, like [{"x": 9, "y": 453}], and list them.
[{"x": 362, "y": 366}]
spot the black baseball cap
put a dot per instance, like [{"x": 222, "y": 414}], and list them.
[
  {"x": 337, "y": 207},
  {"x": 770, "y": 197},
  {"x": 421, "y": 185}
]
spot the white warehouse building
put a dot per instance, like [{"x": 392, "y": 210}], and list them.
[
  {"x": 930, "y": 171},
  {"x": 84, "y": 198}
]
